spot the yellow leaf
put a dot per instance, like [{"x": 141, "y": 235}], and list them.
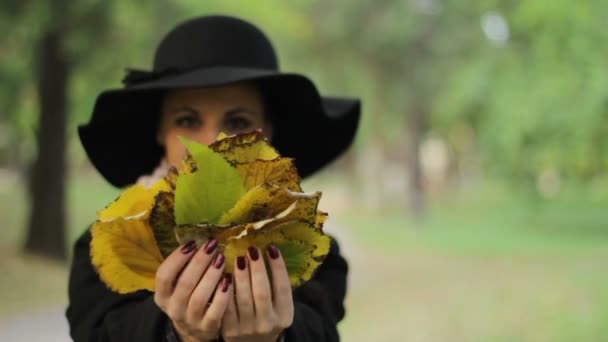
[
  {"x": 162, "y": 218},
  {"x": 222, "y": 136},
  {"x": 280, "y": 172},
  {"x": 162, "y": 222},
  {"x": 201, "y": 233},
  {"x": 280, "y": 217},
  {"x": 302, "y": 245},
  {"x": 188, "y": 166},
  {"x": 255, "y": 205},
  {"x": 267, "y": 201},
  {"x": 136, "y": 200},
  {"x": 171, "y": 177},
  {"x": 125, "y": 254},
  {"x": 306, "y": 207},
  {"x": 244, "y": 148},
  {"x": 321, "y": 217}
]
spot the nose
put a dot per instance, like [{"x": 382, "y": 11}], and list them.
[{"x": 207, "y": 134}]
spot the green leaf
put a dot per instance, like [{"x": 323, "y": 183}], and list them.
[
  {"x": 295, "y": 255},
  {"x": 205, "y": 195}
]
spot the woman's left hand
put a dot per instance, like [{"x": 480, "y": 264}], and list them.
[{"x": 261, "y": 308}]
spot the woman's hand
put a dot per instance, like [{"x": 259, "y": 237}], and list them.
[
  {"x": 185, "y": 284},
  {"x": 259, "y": 312}
]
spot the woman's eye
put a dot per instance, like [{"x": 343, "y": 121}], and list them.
[
  {"x": 237, "y": 124},
  {"x": 187, "y": 122}
]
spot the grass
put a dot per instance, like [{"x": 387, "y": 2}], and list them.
[
  {"x": 489, "y": 221},
  {"x": 486, "y": 265},
  {"x": 86, "y": 194},
  {"x": 30, "y": 282}
]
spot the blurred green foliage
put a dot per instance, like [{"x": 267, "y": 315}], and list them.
[
  {"x": 524, "y": 81},
  {"x": 539, "y": 99}
]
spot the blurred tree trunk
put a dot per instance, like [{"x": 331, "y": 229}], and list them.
[
  {"x": 415, "y": 128},
  {"x": 417, "y": 116},
  {"x": 46, "y": 230}
]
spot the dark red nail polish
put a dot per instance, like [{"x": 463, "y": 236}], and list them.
[
  {"x": 273, "y": 251},
  {"x": 226, "y": 282},
  {"x": 189, "y": 247},
  {"x": 219, "y": 261},
  {"x": 211, "y": 245},
  {"x": 253, "y": 253},
  {"x": 241, "y": 262}
]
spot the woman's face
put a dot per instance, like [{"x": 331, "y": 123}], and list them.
[{"x": 200, "y": 114}]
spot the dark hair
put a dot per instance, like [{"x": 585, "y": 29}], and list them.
[
  {"x": 265, "y": 91},
  {"x": 157, "y": 114}
]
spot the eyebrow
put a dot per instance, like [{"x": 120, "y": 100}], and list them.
[
  {"x": 238, "y": 110},
  {"x": 230, "y": 112},
  {"x": 184, "y": 109}
]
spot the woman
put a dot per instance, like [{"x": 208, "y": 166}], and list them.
[{"x": 211, "y": 74}]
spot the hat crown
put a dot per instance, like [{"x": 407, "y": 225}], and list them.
[{"x": 213, "y": 41}]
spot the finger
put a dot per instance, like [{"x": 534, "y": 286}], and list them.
[
  {"x": 281, "y": 287},
  {"x": 230, "y": 322},
  {"x": 190, "y": 277},
  {"x": 169, "y": 270},
  {"x": 199, "y": 300},
  {"x": 244, "y": 299},
  {"x": 212, "y": 320},
  {"x": 260, "y": 286}
]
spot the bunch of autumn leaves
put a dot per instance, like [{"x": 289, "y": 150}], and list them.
[{"x": 239, "y": 191}]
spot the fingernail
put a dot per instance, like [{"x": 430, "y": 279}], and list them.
[
  {"x": 253, "y": 253},
  {"x": 273, "y": 251},
  {"x": 241, "y": 262},
  {"x": 219, "y": 261},
  {"x": 189, "y": 247},
  {"x": 211, "y": 245},
  {"x": 227, "y": 281}
]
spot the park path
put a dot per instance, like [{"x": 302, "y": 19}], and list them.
[{"x": 43, "y": 325}]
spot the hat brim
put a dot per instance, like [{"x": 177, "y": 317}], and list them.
[{"x": 120, "y": 139}]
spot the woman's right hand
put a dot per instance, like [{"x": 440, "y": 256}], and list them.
[{"x": 185, "y": 285}]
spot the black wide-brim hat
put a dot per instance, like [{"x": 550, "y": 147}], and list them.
[{"x": 121, "y": 137}]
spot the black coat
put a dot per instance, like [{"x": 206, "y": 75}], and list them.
[{"x": 95, "y": 313}]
